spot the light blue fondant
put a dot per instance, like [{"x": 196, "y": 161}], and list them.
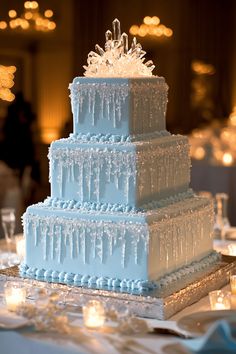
[
  {"x": 40, "y": 273},
  {"x": 69, "y": 278},
  {"x": 62, "y": 277},
  {"x": 55, "y": 275},
  {"x": 132, "y": 173},
  {"x": 77, "y": 279},
  {"x": 118, "y": 106}
]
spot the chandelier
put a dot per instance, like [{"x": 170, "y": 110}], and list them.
[
  {"x": 6, "y": 82},
  {"x": 31, "y": 19},
  {"x": 151, "y": 26}
]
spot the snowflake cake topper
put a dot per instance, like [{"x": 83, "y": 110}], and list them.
[{"x": 117, "y": 60}]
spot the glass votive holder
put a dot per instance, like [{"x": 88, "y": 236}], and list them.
[
  {"x": 232, "y": 249},
  {"x": 15, "y": 295},
  {"x": 20, "y": 247},
  {"x": 233, "y": 283},
  {"x": 220, "y": 300},
  {"x": 93, "y": 314},
  {"x": 233, "y": 301}
]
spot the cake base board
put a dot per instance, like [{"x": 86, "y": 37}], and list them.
[{"x": 148, "y": 306}]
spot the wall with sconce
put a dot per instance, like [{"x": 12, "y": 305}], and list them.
[
  {"x": 175, "y": 34},
  {"x": 43, "y": 54},
  {"x": 191, "y": 43}
]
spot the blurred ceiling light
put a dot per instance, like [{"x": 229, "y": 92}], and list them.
[
  {"x": 48, "y": 13},
  {"x": 3, "y": 25},
  {"x": 6, "y": 82},
  {"x": 227, "y": 159},
  {"x": 31, "y": 19},
  {"x": 12, "y": 13},
  {"x": 201, "y": 68},
  {"x": 199, "y": 153},
  {"x": 151, "y": 26}
]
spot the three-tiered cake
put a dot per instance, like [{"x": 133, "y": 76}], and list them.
[{"x": 121, "y": 215}]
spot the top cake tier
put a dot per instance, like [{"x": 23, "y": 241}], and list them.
[{"x": 118, "y": 106}]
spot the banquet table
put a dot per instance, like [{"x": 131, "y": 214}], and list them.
[
  {"x": 216, "y": 179},
  {"x": 26, "y": 340}
]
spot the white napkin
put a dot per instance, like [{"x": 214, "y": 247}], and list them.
[
  {"x": 9, "y": 320},
  {"x": 219, "y": 339}
]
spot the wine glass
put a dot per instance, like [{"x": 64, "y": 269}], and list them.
[
  {"x": 8, "y": 223},
  {"x": 221, "y": 218}
]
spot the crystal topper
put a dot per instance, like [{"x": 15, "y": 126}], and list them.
[{"x": 117, "y": 60}]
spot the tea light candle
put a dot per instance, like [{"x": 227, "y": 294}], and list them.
[
  {"x": 233, "y": 284},
  {"x": 20, "y": 247},
  {"x": 233, "y": 302},
  {"x": 232, "y": 249},
  {"x": 15, "y": 295},
  {"x": 220, "y": 300},
  {"x": 94, "y": 314}
]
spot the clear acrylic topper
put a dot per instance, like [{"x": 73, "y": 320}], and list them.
[{"x": 117, "y": 60}]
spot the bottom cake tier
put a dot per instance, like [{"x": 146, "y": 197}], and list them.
[{"x": 104, "y": 247}]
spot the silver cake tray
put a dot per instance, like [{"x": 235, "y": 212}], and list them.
[{"x": 149, "y": 306}]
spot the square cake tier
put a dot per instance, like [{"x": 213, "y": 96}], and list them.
[
  {"x": 131, "y": 173},
  {"x": 120, "y": 106},
  {"x": 102, "y": 248}
]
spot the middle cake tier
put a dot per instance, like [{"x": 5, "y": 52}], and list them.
[{"x": 127, "y": 173}]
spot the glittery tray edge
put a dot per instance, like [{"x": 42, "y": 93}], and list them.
[{"x": 160, "y": 308}]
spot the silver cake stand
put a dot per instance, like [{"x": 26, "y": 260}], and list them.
[{"x": 150, "y": 305}]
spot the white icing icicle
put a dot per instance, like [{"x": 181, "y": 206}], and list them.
[
  {"x": 51, "y": 241},
  {"x": 83, "y": 244},
  {"x": 93, "y": 242},
  {"x": 34, "y": 228},
  {"x": 100, "y": 247},
  {"x": 123, "y": 247},
  {"x": 45, "y": 243}
]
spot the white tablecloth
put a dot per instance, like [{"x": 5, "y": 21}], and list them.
[
  {"x": 26, "y": 342},
  {"x": 29, "y": 342}
]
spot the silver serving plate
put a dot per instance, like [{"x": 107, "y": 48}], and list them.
[{"x": 155, "y": 305}]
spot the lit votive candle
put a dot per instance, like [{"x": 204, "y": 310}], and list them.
[
  {"x": 232, "y": 249},
  {"x": 233, "y": 284},
  {"x": 220, "y": 300},
  {"x": 233, "y": 302},
  {"x": 93, "y": 314},
  {"x": 20, "y": 247},
  {"x": 15, "y": 295}
]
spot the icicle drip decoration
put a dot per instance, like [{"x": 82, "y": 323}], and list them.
[
  {"x": 117, "y": 60},
  {"x": 86, "y": 167},
  {"x": 6, "y": 82},
  {"x": 100, "y": 238}
]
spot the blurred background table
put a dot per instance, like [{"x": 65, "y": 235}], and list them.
[{"x": 216, "y": 179}]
